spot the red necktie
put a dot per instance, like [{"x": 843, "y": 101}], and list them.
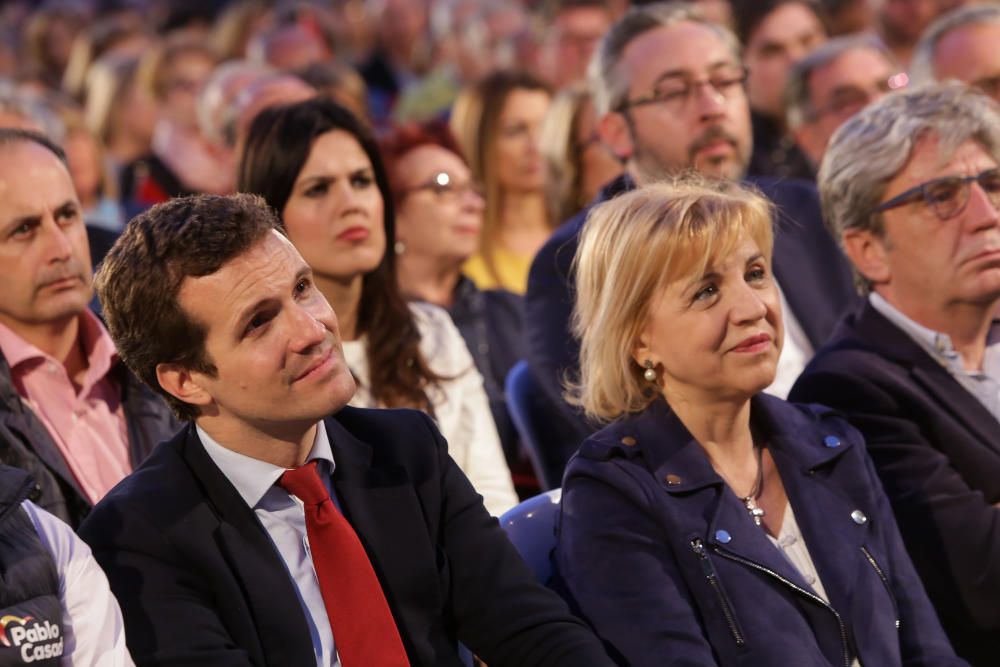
[{"x": 364, "y": 631}]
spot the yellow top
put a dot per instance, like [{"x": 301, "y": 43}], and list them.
[{"x": 512, "y": 267}]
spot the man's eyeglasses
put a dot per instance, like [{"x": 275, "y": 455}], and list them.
[
  {"x": 677, "y": 90},
  {"x": 445, "y": 186},
  {"x": 948, "y": 196},
  {"x": 849, "y": 99}
]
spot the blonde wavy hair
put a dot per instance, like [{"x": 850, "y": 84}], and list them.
[{"x": 630, "y": 248}]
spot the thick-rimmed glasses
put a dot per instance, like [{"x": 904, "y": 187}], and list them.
[
  {"x": 675, "y": 91},
  {"x": 445, "y": 186},
  {"x": 948, "y": 196}
]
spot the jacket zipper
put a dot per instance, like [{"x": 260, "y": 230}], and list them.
[
  {"x": 811, "y": 596},
  {"x": 885, "y": 581},
  {"x": 713, "y": 579}
]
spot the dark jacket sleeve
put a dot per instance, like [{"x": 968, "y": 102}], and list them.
[
  {"x": 155, "y": 591},
  {"x": 502, "y": 613},
  {"x": 951, "y": 530},
  {"x": 614, "y": 560},
  {"x": 553, "y": 352}
]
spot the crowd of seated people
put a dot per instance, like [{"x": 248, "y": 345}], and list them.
[{"x": 269, "y": 265}]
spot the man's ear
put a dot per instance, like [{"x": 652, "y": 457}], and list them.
[
  {"x": 615, "y": 132},
  {"x": 869, "y": 254},
  {"x": 183, "y": 384}
]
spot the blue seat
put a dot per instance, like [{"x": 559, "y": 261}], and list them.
[
  {"x": 526, "y": 405},
  {"x": 531, "y": 527}
]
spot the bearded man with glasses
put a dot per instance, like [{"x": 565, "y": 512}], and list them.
[
  {"x": 911, "y": 186},
  {"x": 669, "y": 92}
]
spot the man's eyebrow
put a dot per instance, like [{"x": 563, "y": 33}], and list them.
[
  {"x": 14, "y": 223},
  {"x": 304, "y": 271}
]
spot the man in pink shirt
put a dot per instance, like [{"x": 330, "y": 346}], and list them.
[{"x": 70, "y": 413}]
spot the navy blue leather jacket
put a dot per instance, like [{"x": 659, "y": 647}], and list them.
[{"x": 662, "y": 558}]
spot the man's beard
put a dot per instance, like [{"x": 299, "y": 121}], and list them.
[{"x": 732, "y": 167}]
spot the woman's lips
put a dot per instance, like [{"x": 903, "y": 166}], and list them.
[
  {"x": 354, "y": 234},
  {"x": 753, "y": 344}
]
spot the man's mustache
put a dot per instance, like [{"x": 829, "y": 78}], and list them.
[
  {"x": 70, "y": 269},
  {"x": 711, "y": 135}
]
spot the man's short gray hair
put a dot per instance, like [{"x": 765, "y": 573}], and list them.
[
  {"x": 608, "y": 84},
  {"x": 875, "y": 144},
  {"x": 922, "y": 66},
  {"x": 798, "y": 97}
]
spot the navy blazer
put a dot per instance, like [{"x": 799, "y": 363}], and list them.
[
  {"x": 937, "y": 450},
  {"x": 200, "y": 582},
  {"x": 812, "y": 271},
  {"x": 667, "y": 565}
]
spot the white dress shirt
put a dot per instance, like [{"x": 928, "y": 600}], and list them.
[
  {"x": 93, "y": 632},
  {"x": 284, "y": 519},
  {"x": 795, "y": 353},
  {"x": 461, "y": 409}
]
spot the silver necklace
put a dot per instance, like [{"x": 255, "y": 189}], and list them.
[{"x": 756, "y": 512}]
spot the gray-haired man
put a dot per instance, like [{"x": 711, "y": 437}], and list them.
[
  {"x": 911, "y": 185},
  {"x": 833, "y": 83},
  {"x": 962, "y": 45}
]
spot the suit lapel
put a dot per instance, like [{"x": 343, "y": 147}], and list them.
[
  {"x": 271, "y": 598},
  {"x": 381, "y": 504},
  {"x": 893, "y": 343}
]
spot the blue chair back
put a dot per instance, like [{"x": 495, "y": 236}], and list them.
[
  {"x": 531, "y": 527},
  {"x": 525, "y": 404}
]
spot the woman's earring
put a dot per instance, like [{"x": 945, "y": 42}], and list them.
[
  {"x": 399, "y": 247},
  {"x": 650, "y": 373}
]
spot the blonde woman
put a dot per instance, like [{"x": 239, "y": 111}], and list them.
[
  {"x": 579, "y": 164},
  {"x": 498, "y": 126},
  {"x": 711, "y": 524}
]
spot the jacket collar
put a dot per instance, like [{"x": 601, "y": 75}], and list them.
[
  {"x": 870, "y": 328},
  {"x": 679, "y": 463}
]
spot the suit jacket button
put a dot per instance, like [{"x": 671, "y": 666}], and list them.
[
  {"x": 723, "y": 536},
  {"x": 672, "y": 479},
  {"x": 859, "y": 517},
  {"x": 831, "y": 441},
  {"x": 628, "y": 440}
]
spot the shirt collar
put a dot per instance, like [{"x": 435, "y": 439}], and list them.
[
  {"x": 97, "y": 345},
  {"x": 938, "y": 344},
  {"x": 253, "y": 477}
]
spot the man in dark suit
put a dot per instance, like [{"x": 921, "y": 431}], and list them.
[
  {"x": 668, "y": 89},
  {"x": 215, "y": 554},
  {"x": 912, "y": 187}
]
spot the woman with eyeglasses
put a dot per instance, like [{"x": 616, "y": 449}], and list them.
[
  {"x": 497, "y": 123},
  {"x": 319, "y": 167},
  {"x": 709, "y": 523},
  {"x": 439, "y": 221}
]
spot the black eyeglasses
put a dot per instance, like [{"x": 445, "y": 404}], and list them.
[
  {"x": 677, "y": 90},
  {"x": 445, "y": 186},
  {"x": 948, "y": 196}
]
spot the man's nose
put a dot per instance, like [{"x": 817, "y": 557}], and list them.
[{"x": 307, "y": 330}]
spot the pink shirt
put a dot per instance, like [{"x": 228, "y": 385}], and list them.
[{"x": 87, "y": 426}]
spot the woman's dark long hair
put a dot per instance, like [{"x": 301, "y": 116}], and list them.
[{"x": 277, "y": 146}]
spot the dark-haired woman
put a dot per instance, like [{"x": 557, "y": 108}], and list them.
[{"x": 318, "y": 166}]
